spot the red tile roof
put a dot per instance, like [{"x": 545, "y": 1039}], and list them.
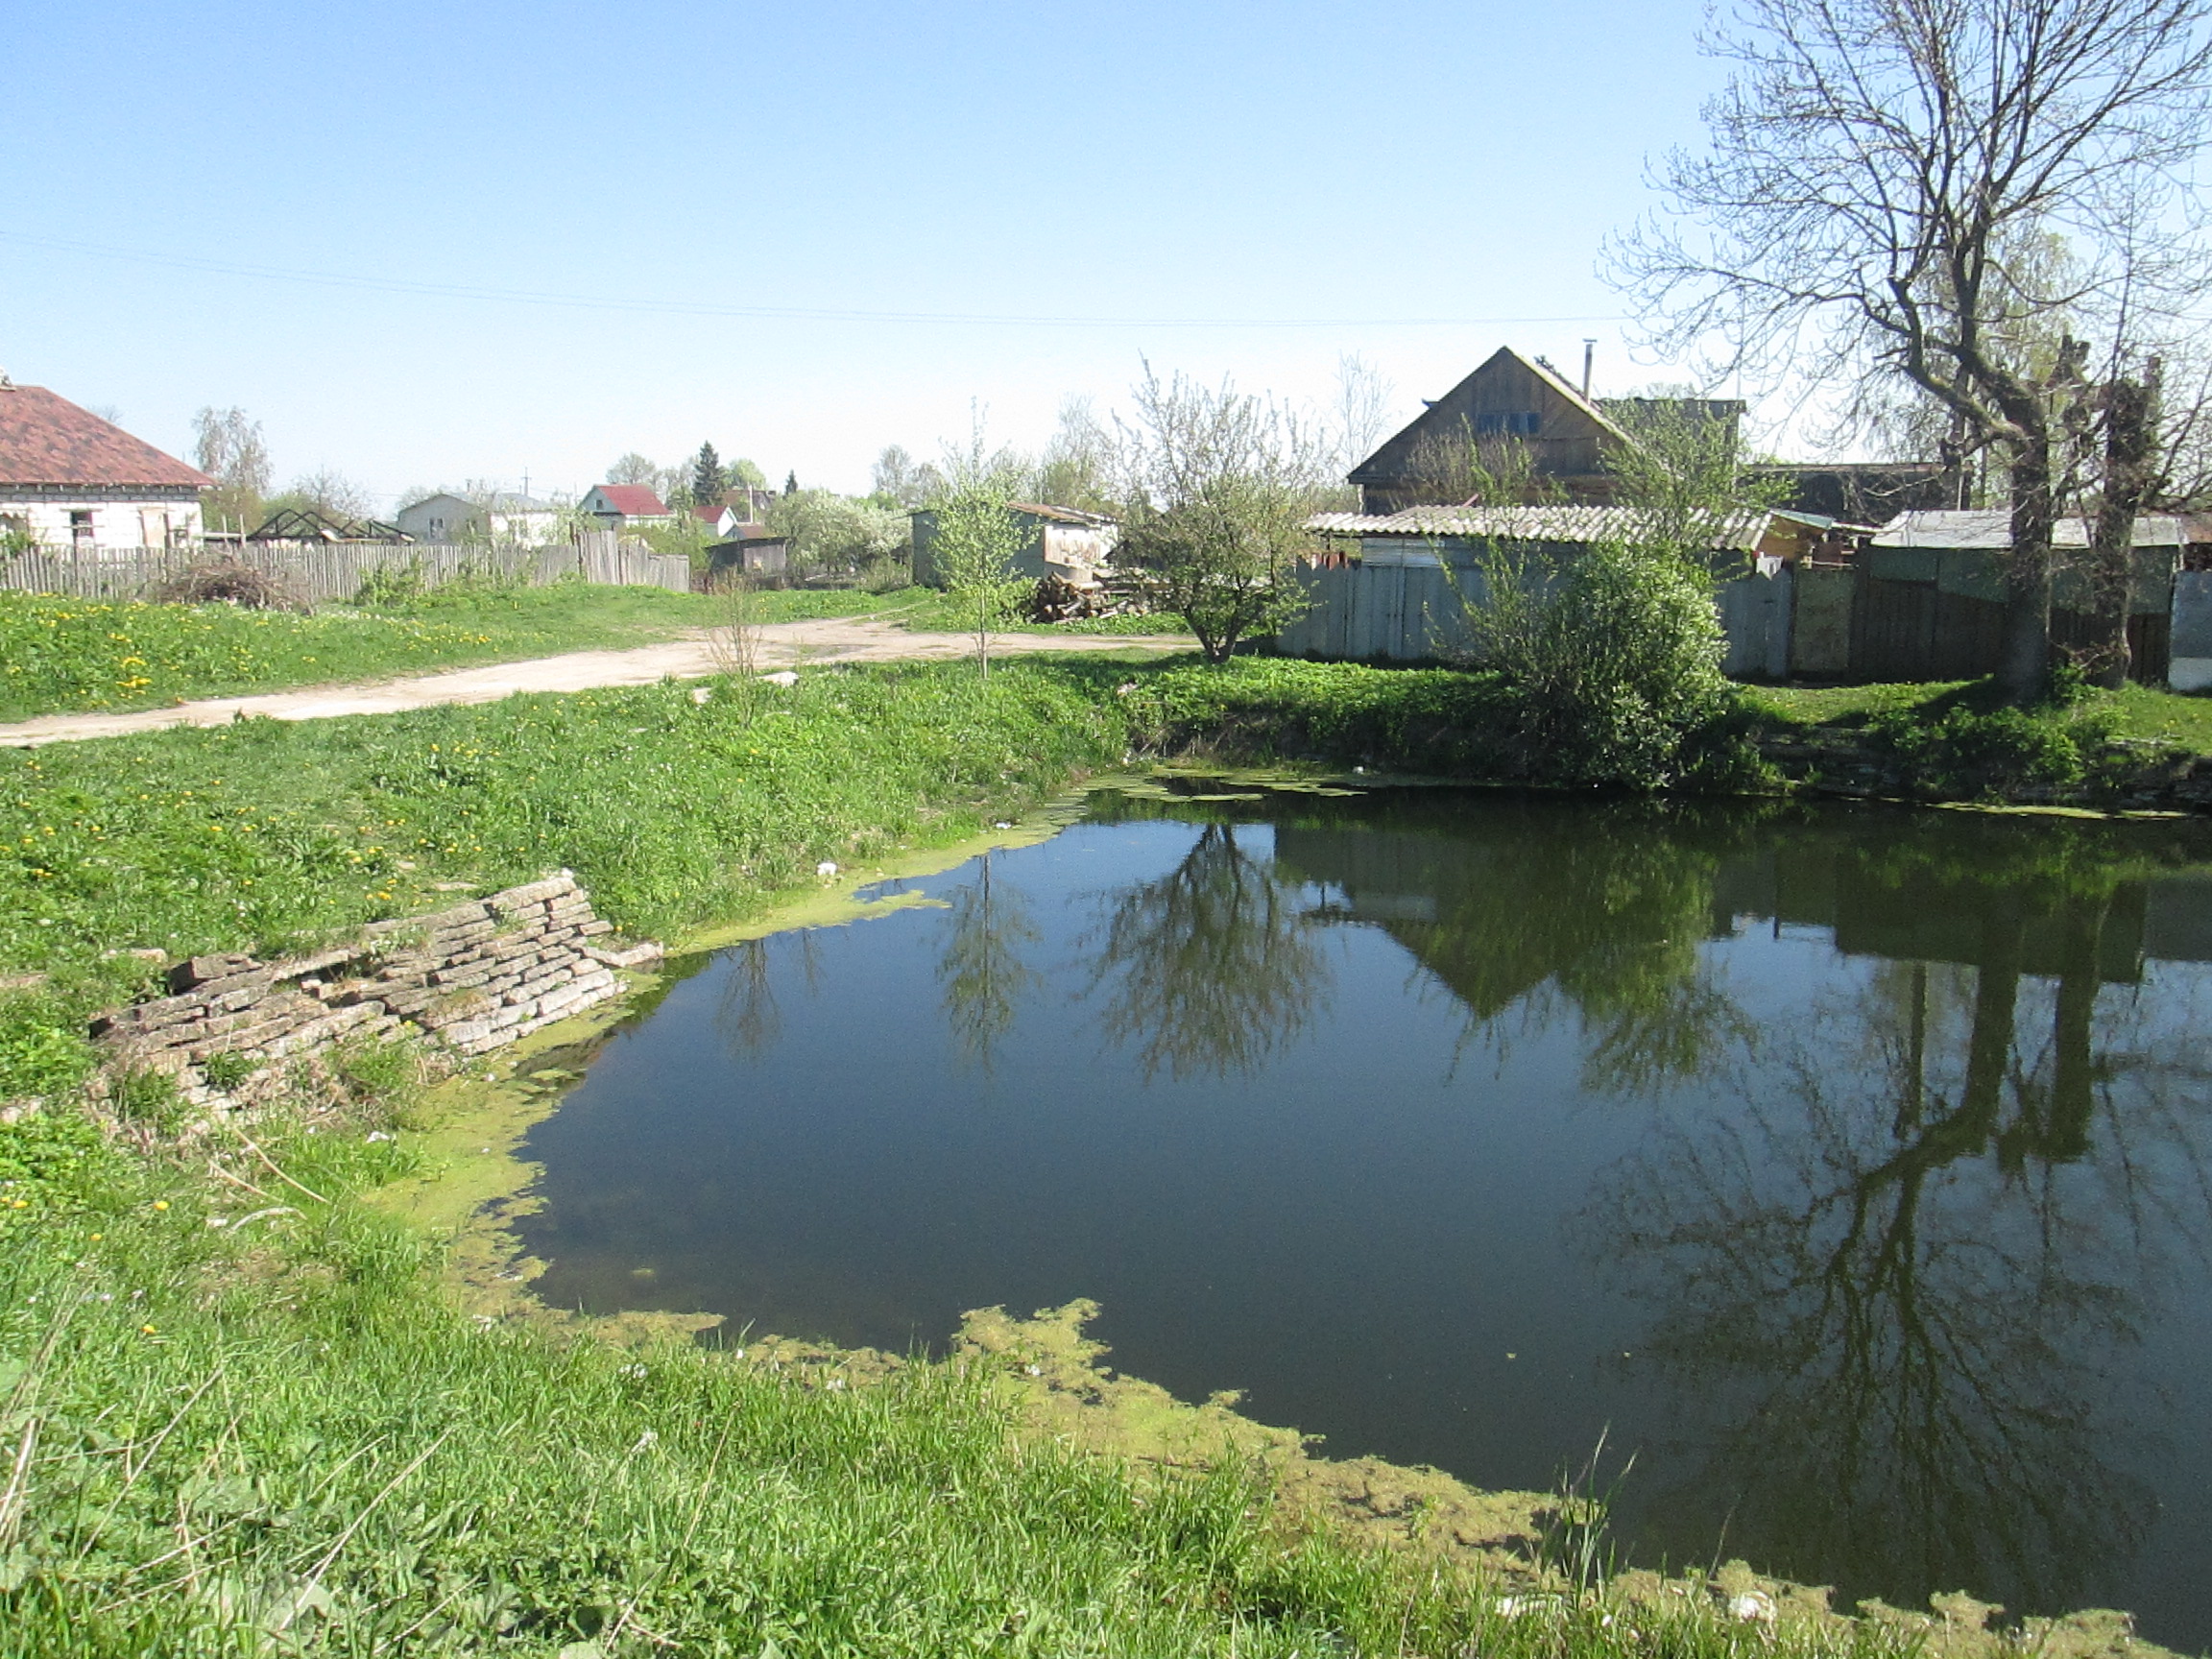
[
  {"x": 634, "y": 501},
  {"x": 48, "y": 440},
  {"x": 708, "y": 514}
]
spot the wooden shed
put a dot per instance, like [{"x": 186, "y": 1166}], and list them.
[{"x": 1063, "y": 542}]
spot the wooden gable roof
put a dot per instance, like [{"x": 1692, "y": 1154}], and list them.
[{"x": 1499, "y": 400}]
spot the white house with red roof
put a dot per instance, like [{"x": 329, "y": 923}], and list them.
[
  {"x": 68, "y": 478},
  {"x": 615, "y": 505}
]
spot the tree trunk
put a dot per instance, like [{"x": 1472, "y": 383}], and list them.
[
  {"x": 2128, "y": 427},
  {"x": 2023, "y": 669}
]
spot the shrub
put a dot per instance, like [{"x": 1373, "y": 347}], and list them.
[
  {"x": 1611, "y": 666},
  {"x": 1987, "y": 754},
  {"x": 407, "y": 587}
]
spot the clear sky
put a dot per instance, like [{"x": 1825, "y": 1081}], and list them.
[{"x": 802, "y": 231}]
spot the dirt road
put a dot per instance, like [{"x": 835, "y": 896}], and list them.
[{"x": 780, "y": 645}]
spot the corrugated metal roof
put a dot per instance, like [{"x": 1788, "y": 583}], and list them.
[
  {"x": 1060, "y": 514},
  {"x": 1991, "y": 528},
  {"x": 1583, "y": 524}
]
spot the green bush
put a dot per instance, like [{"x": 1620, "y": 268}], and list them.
[
  {"x": 407, "y": 589},
  {"x": 1988, "y": 753},
  {"x": 1610, "y": 668}
]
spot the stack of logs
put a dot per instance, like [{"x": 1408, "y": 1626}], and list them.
[{"x": 474, "y": 977}]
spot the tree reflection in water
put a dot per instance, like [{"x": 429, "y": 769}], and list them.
[
  {"x": 1901, "y": 1269},
  {"x": 747, "y": 1015},
  {"x": 1210, "y": 968},
  {"x": 1891, "y": 1271},
  {"x": 984, "y": 977}
]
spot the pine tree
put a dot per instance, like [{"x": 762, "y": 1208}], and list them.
[
  {"x": 791, "y": 482},
  {"x": 707, "y": 479}
]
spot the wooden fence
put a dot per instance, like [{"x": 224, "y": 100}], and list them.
[
  {"x": 1417, "y": 612},
  {"x": 1851, "y": 624},
  {"x": 322, "y": 572}
]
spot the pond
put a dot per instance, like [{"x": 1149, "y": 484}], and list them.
[{"x": 1850, "y": 1166}]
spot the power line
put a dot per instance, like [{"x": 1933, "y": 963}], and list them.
[{"x": 786, "y": 313}]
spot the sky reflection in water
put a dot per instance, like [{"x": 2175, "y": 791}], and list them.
[{"x": 1850, "y": 1164}]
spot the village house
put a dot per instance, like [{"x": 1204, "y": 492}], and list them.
[
  {"x": 1527, "y": 425},
  {"x": 69, "y": 478},
  {"x": 1517, "y": 414},
  {"x": 617, "y": 505},
  {"x": 722, "y": 521},
  {"x": 500, "y": 517}
]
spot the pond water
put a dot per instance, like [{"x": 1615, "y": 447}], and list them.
[{"x": 1851, "y": 1166}]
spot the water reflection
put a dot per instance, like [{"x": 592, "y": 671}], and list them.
[
  {"x": 981, "y": 970},
  {"x": 1601, "y": 924},
  {"x": 1878, "y": 1140},
  {"x": 1210, "y": 968},
  {"x": 748, "y": 1016},
  {"x": 1900, "y": 1254}
]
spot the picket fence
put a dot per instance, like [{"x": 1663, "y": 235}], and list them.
[{"x": 320, "y": 573}]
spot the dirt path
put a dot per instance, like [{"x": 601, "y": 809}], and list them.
[{"x": 782, "y": 645}]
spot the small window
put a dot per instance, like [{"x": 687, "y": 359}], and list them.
[
  {"x": 1506, "y": 423},
  {"x": 81, "y": 528}
]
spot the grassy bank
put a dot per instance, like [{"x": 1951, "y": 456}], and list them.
[
  {"x": 246, "y": 1425},
  {"x": 2137, "y": 713},
  {"x": 237, "y": 1415},
  {"x": 58, "y": 655},
  {"x": 671, "y": 807}
]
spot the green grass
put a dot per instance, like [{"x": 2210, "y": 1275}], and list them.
[
  {"x": 249, "y": 1425},
  {"x": 2138, "y": 713},
  {"x": 262, "y": 833},
  {"x": 1429, "y": 720},
  {"x": 62, "y": 655}
]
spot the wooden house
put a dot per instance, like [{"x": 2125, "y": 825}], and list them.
[{"x": 1515, "y": 415}]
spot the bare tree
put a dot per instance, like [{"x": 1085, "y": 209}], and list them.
[
  {"x": 1360, "y": 414},
  {"x": 1881, "y": 176},
  {"x": 331, "y": 493},
  {"x": 902, "y": 480}
]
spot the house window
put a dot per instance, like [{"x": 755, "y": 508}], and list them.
[
  {"x": 81, "y": 528},
  {"x": 1506, "y": 423}
]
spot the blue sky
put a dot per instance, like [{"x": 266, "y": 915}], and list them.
[{"x": 1100, "y": 184}]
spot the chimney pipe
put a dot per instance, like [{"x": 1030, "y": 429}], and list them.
[{"x": 1589, "y": 359}]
